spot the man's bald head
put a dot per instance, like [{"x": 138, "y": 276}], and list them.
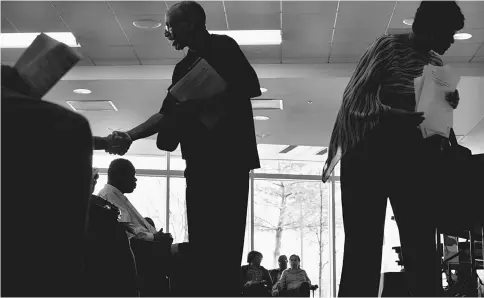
[
  {"x": 188, "y": 11},
  {"x": 122, "y": 175}
]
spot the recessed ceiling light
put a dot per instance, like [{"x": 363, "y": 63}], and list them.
[
  {"x": 408, "y": 22},
  {"x": 263, "y": 90},
  {"x": 261, "y": 118},
  {"x": 310, "y": 102},
  {"x": 23, "y": 40},
  {"x": 462, "y": 36},
  {"x": 92, "y": 105},
  {"x": 82, "y": 91},
  {"x": 147, "y": 24},
  {"x": 253, "y": 37}
]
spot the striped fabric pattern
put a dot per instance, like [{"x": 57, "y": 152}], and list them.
[{"x": 385, "y": 73}]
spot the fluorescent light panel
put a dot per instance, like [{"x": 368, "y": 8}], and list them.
[
  {"x": 23, "y": 40},
  {"x": 253, "y": 37},
  {"x": 267, "y": 104}
]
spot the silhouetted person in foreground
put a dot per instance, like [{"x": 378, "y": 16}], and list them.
[
  {"x": 228, "y": 146},
  {"x": 385, "y": 156}
]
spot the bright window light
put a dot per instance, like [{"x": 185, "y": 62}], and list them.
[
  {"x": 253, "y": 37},
  {"x": 23, "y": 40}
]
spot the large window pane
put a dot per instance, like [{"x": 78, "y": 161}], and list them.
[
  {"x": 177, "y": 163},
  {"x": 339, "y": 233},
  {"x": 291, "y": 167},
  {"x": 178, "y": 210},
  {"x": 149, "y": 197},
  {"x": 291, "y": 217},
  {"x": 139, "y": 162}
]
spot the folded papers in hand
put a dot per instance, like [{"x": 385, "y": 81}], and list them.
[
  {"x": 430, "y": 95},
  {"x": 44, "y": 63},
  {"x": 201, "y": 82}
]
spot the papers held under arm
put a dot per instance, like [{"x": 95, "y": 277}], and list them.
[
  {"x": 44, "y": 63},
  {"x": 201, "y": 82},
  {"x": 430, "y": 96}
]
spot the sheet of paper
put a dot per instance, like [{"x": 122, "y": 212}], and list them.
[
  {"x": 201, "y": 82},
  {"x": 44, "y": 63},
  {"x": 436, "y": 82}
]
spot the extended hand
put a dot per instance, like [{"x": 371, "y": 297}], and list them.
[{"x": 118, "y": 143}]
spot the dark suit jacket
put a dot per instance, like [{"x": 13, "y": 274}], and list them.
[{"x": 46, "y": 173}]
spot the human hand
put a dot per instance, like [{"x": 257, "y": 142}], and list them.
[
  {"x": 118, "y": 143},
  {"x": 407, "y": 117},
  {"x": 453, "y": 98}
]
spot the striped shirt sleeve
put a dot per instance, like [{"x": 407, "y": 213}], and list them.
[{"x": 361, "y": 105}]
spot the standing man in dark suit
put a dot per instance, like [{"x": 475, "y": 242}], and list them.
[{"x": 218, "y": 157}]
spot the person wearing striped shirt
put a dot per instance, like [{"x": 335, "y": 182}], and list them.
[{"x": 383, "y": 154}]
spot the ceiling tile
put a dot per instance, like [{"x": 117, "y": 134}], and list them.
[
  {"x": 324, "y": 8},
  {"x": 362, "y": 21},
  {"x": 462, "y": 50},
  {"x": 306, "y": 35},
  {"x": 473, "y": 12},
  {"x": 262, "y": 54},
  {"x": 10, "y": 55},
  {"x": 104, "y": 55},
  {"x": 455, "y": 59},
  {"x": 354, "y": 59},
  {"x": 33, "y": 16},
  {"x": 478, "y": 59},
  {"x": 346, "y": 50},
  {"x": 480, "y": 52},
  {"x": 161, "y": 50},
  {"x": 403, "y": 10},
  {"x": 7, "y": 27},
  {"x": 215, "y": 15},
  {"x": 148, "y": 61},
  {"x": 141, "y": 9},
  {"x": 92, "y": 22},
  {"x": 253, "y": 15}
]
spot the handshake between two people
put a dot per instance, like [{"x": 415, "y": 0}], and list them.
[{"x": 117, "y": 142}]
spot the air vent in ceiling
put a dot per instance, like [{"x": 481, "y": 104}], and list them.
[
  {"x": 92, "y": 105},
  {"x": 288, "y": 149},
  {"x": 267, "y": 104},
  {"x": 322, "y": 152},
  {"x": 394, "y": 31}
]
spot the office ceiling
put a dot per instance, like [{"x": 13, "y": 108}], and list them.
[
  {"x": 107, "y": 35},
  {"x": 318, "y": 37}
]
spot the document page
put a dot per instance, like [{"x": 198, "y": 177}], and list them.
[
  {"x": 45, "y": 62},
  {"x": 201, "y": 82},
  {"x": 430, "y": 95}
]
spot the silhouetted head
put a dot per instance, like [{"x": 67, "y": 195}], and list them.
[
  {"x": 295, "y": 261},
  {"x": 184, "y": 23},
  {"x": 436, "y": 22},
  {"x": 282, "y": 262},
  {"x": 122, "y": 175},
  {"x": 254, "y": 258},
  {"x": 150, "y": 221}
]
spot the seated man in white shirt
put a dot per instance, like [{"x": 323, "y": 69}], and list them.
[{"x": 122, "y": 180}]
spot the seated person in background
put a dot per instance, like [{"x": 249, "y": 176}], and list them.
[
  {"x": 255, "y": 279},
  {"x": 294, "y": 281},
  {"x": 277, "y": 273},
  {"x": 121, "y": 180},
  {"x": 109, "y": 260}
]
